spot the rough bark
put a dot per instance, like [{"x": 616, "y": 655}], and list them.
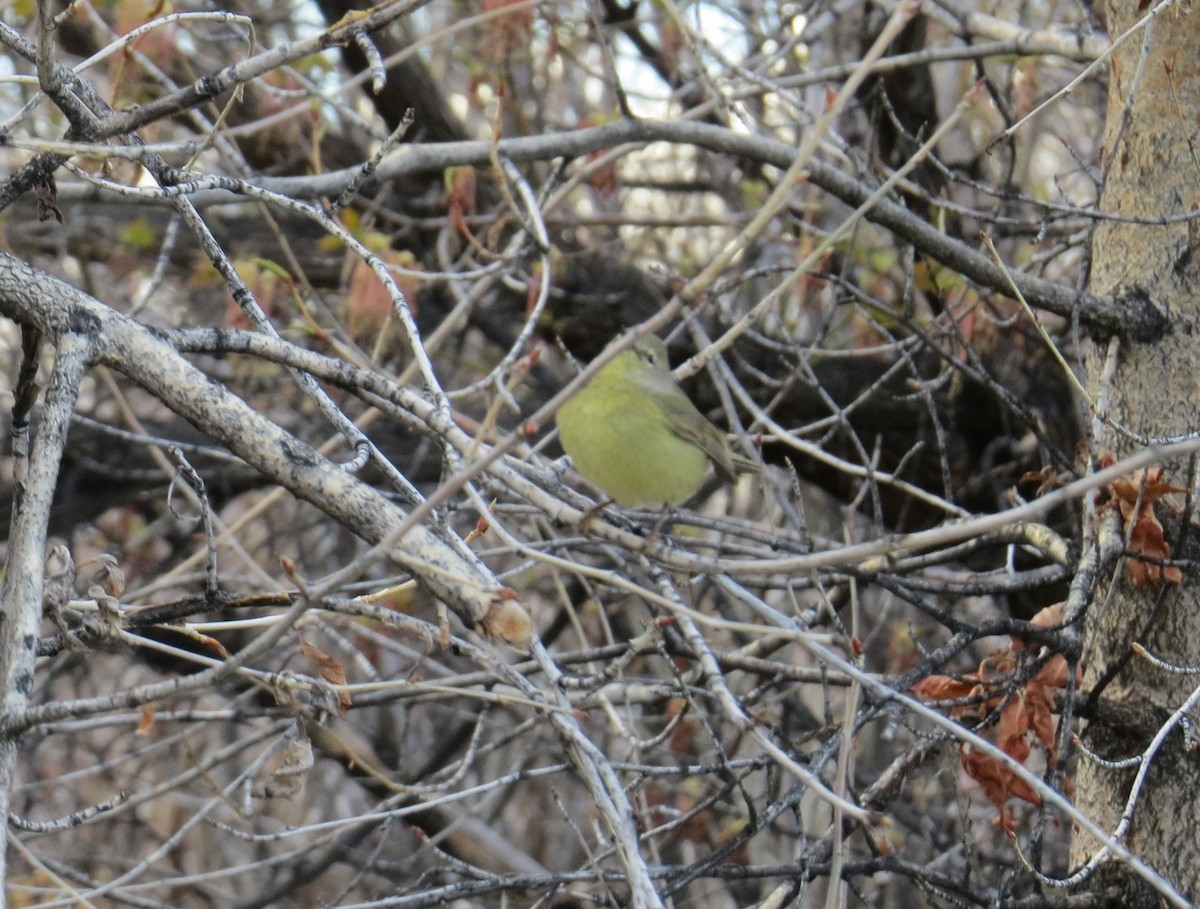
[{"x": 1152, "y": 171}]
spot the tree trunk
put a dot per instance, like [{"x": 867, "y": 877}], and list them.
[{"x": 1152, "y": 159}]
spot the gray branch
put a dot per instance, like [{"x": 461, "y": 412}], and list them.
[{"x": 443, "y": 564}]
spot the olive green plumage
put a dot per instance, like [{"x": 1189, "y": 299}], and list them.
[{"x": 634, "y": 433}]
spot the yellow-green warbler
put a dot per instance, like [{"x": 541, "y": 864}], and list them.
[{"x": 634, "y": 433}]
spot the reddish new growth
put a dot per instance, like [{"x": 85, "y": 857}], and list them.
[
  {"x": 1135, "y": 496},
  {"x": 1025, "y": 720}
]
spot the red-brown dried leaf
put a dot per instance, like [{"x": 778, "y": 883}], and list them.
[
  {"x": 1146, "y": 538},
  {"x": 368, "y": 304},
  {"x": 146, "y": 717},
  {"x": 998, "y": 783},
  {"x": 1144, "y": 486},
  {"x": 1054, "y": 674},
  {"x": 997, "y": 667},
  {"x": 1026, "y": 715},
  {"x": 1047, "y": 479},
  {"x": 942, "y": 688},
  {"x": 1134, "y": 495},
  {"x": 461, "y": 201},
  {"x": 1049, "y": 616},
  {"x": 330, "y": 669},
  {"x": 1010, "y": 731},
  {"x": 1040, "y": 707}
]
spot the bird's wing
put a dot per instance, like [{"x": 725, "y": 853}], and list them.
[{"x": 686, "y": 422}]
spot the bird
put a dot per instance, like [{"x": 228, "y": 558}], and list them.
[{"x": 632, "y": 432}]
